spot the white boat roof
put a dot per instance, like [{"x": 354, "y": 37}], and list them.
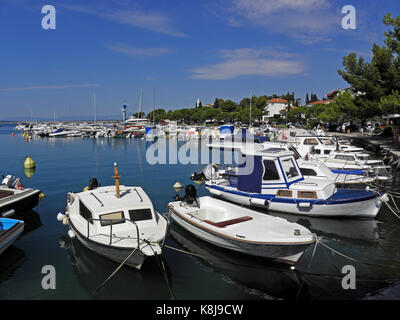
[
  {"x": 130, "y": 197},
  {"x": 266, "y": 152}
]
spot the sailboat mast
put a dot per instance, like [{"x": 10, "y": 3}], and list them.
[
  {"x": 154, "y": 105},
  {"x": 94, "y": 102},
  {"x": 140, "y": 103},
  {"x": 251, "y": 94}
]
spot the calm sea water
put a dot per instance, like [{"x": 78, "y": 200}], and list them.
[{"x": 67, "y": 165}]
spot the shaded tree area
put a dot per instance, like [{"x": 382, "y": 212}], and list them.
[
  {"x": 377, "y": 82},
  {"x": 225, "y": 110}
]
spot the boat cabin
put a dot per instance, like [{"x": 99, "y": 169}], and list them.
[
  {"x": 97, "y": 210},
  {"x": 275, "y": 171}
]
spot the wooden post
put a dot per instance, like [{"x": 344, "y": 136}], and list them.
[{"x": 116, "y": 177}]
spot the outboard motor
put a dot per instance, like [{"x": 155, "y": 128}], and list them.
[
  {"x": 191, "y": 194},
  {"x": 197, "y": 176},
  {"x": 93, "y": 184},
  {"x": 9, "y": 181}
]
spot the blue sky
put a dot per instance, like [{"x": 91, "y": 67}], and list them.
[{"x": 182, "y": 49}]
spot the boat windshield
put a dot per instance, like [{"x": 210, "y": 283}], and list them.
[{"x": 289, "y": 168}]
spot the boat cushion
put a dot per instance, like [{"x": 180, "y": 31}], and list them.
[
  {"x": 229, "y": 222},
  {"x": 5, "y": 193}
]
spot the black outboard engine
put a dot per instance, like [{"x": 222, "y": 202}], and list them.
[
  {"x": 93, "y": 184},
  {"x": 198, "y": 176},
  {"x": 191, "y": 194}
]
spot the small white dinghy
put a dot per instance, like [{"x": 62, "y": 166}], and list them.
[
  {"x": 240, "y": 229},
  {"x": 117, "y": 222}
]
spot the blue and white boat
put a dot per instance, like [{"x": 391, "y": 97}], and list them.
[
  {"x": 272, "y": 179},
  {"x": 10, "y": 230}
]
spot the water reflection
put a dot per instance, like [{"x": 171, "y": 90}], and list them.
[
  {"x": 128, "y": 283},
  {"x": 11, "y": 259},
  {"x": 31, "y": 220},
  {"x": 273, "y": 279}
]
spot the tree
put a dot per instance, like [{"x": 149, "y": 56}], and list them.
[
  {"x": 228, "y": 106},
  {"x": 390, "y": 104},
  {"x": 139, "y": 114},
  {"x": 307, "y": 99},
  {"x": 378, "y": 78}
]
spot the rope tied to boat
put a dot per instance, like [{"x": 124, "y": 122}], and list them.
[{"x": 115, "y": 271}]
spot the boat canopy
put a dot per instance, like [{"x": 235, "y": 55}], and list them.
[{"x": 267, "y": 169}]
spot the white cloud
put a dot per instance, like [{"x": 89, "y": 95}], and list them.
[
  {"x": 153, "y": 21},
  {"x": 248, "y": 61},
  {"x": 308, "y": 21},
  {"x": 139, "y": 52}
]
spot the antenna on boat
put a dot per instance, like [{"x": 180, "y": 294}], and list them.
[
  {"x": 251, "y": 94},
  {"x": 116, "y": 177}
]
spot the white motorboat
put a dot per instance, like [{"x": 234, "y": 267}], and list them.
[
  {"x": 309, "y": 167},
  {"x": 117, "y": 222},
  {"x": 321, "y": 146},
  {"x": 340, "y": 162},
  {"x": 14, "y": 198},
  {"x": 272, "y": 179},
  {"x": 241, "y": 229}
]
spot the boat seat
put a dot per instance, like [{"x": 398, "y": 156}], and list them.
[
  {"x": 229, "y": 222},
  {"x": 5, "y": 193}
]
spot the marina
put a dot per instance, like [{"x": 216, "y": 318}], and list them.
[
  {"x": 215, "y": 272},
  {"x": 200, "y": 159}
]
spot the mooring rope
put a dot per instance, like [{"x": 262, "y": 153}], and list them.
[{"x": 115, "y": 271}]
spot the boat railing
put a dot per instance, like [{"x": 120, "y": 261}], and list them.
[{"x": 112, "y": 221}]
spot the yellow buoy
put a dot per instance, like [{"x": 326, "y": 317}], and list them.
[
  {"x": 29, "y": 163},
  {"x": 41, "y": 195}
]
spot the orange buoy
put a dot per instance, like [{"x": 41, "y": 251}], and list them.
[{"x": 12, "y": 134}]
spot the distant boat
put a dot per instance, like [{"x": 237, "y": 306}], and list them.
[{"x": 10, "y": 230}]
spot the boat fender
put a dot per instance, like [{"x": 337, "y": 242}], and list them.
[
  {"x": 257, "y": 202},
  {"x": 8, "y": 213},
  {"x": 304, "y": 204},
  {"x": 385, "y": 198},
  {"x": 65, "y": 221},
  {"x": 71, "y": 234},
  {"x": 60, "y": 216}
]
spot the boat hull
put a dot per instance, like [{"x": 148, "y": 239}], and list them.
[
  {"x": 116, "y": 254},
  {"x": 20, "y": 202},
  {"x": 288, "y": 253},
  {"x": 367, "y": 207},
  {"x": 7, "y": 237}
]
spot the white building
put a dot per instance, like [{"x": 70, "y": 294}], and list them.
[{"x": 274, "y": 107}]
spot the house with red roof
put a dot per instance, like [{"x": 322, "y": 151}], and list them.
[
  {"x": 274, "y": 107},
  {"x": 320, "y": 102}
]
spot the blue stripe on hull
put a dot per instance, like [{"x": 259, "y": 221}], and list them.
[{"x": 342, "y": 196}]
